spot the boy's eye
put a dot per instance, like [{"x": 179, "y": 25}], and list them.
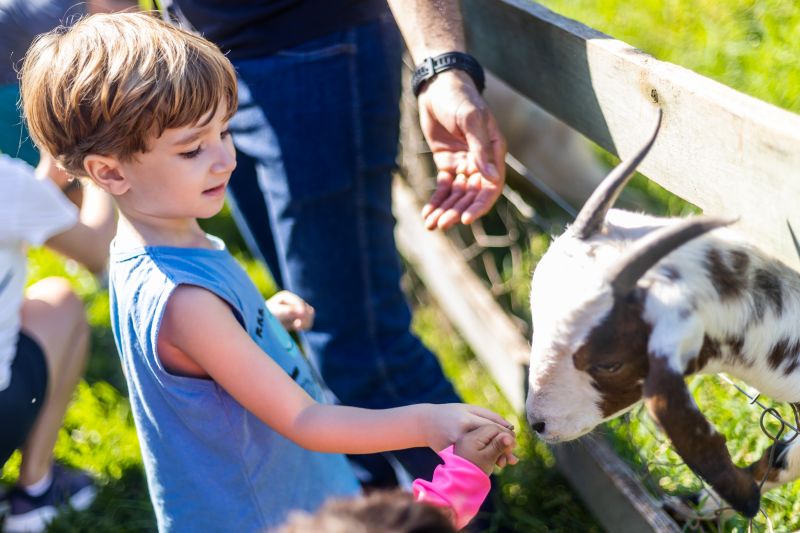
[
  {"x": 192, "y": 154},
  {"x": 225, "y": 133}
]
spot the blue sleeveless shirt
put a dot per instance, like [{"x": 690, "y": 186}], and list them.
[{"x": 211, "y": 464}]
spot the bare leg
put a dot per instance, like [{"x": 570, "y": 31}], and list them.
[{"x": 54, "y": 316}]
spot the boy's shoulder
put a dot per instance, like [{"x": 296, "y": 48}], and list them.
[
  {"x": 148, "y": 266},
  {"x": 153, "y": 273}
]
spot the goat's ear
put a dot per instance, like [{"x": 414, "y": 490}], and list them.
[{"x": 669, "y": 402}]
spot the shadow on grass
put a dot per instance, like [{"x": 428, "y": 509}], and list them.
[{"x": 122, "y": 506}]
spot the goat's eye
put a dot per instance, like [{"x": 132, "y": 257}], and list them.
[{"x": 607, "y": 368}]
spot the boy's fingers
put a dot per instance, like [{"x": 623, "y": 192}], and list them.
[
  {"x": 486, "y": 433},
  {"x": 491, "y": 415}
]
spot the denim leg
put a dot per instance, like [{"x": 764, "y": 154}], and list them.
[
  {"x": 332, "y": 105},
  {"x": 247, "y": 204},
  {"x": 322, "y": 120}
]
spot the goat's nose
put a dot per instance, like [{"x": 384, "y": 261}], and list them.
[{"x": 536, "y": 424}]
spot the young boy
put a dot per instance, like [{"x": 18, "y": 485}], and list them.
[{"x": 226, "y": 409}]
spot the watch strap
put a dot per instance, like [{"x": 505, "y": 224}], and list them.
[{"x": 432, "y": 66}]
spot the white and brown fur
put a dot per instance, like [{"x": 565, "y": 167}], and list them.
[{"x": 608, "y": 334}]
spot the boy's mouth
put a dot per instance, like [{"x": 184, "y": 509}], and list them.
[{"x": 214, "y": 191}]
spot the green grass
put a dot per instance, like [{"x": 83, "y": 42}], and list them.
[
  {"x": 750, "y": 45},
  {"x": 637, "y": 439}
]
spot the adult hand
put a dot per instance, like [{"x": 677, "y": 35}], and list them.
[{"x": 468, "y": 149}]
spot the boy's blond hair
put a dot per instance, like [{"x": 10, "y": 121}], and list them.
[{"x": 111, "y": 83}]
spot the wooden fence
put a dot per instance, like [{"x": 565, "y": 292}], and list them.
[{"x": 721, "y": 150}]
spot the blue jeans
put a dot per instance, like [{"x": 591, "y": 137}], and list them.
[{"x": 321, "y": 122}]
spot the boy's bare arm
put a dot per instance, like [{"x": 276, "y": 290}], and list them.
[
  {"x": 203, "y": 327},
  {"x": 88, "y": 240}
]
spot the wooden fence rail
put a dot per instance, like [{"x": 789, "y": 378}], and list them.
[{"x": 719, "y": 149}]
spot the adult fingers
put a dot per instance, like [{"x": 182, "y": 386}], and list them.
[
  {"x": 453, "y": 215},
  {"x": 486, "y": 433},
  {"x": 444, "y": 182},
  {"x": 481, "y": 204},
  {"x": 456, "y": 213},
  {"x": 479, "y": 130},
  {"x": 457, "y": 190},
  {"x": 499, "y": 148}
]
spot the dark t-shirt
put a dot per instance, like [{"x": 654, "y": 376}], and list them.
[{"x": 257, "y": 28}]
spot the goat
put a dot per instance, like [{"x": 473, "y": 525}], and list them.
[{"x": 625, "y": 305}]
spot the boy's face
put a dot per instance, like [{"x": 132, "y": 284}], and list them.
[{"x": 183, "y": 175}]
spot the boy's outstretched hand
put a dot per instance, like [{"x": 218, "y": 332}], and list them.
[
  {"x": 487, "y": 446},
  {"x": 291, "y": 311}
]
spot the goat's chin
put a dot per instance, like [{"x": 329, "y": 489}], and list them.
[{"x": 556, "y": 438}]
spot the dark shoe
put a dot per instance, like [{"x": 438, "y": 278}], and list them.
[
  {"x": 29, "y": 514},
  {"x": 4, "y": 507}
]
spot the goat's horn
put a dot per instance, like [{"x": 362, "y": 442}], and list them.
[
  {"x": 651, "y": 248},
  {"x": 593, "y": 213}
]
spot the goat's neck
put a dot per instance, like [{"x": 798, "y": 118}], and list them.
[{"x": 750, "y": 308}]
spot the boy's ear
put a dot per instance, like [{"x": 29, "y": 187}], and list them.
[{"x": 106, "y": 172}]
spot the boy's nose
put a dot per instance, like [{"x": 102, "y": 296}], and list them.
[{"x": 226, "y": 161}]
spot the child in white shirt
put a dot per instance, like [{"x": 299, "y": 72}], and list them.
[{"x": 44, "y": 335}]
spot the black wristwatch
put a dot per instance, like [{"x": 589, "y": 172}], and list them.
[{"x": 432, "y": 66}]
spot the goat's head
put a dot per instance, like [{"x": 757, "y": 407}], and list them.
[{"x": 591, "y": 354}]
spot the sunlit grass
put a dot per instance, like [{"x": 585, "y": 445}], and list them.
[{"x": 750, "y": 45}]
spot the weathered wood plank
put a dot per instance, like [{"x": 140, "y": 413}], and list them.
[
  {"x": 610, "y": 489},
  {"x": 724, "y": 151},
  {"x": 465, "y": 300}
]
